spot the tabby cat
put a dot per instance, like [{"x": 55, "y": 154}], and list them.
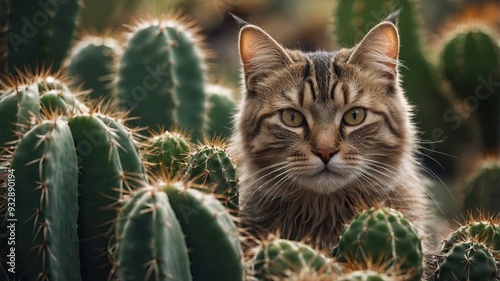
[{"x": 320, "y": 135}]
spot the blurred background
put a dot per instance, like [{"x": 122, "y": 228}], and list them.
[{"x": 449, "y": 50}]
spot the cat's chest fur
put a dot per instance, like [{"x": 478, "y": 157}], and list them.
[{"x": 320, "y": 136}]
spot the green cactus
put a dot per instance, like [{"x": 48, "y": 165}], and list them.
[
  {"x": 22, "y": 103},
  {"x": 161, "y": 77},
  {"x": 467, "y": 261},
  {"x": 167, "y": 153},
  {"x": 102, "y": 182},
  {"x": 150, "y": 242},
  {"x": 221, "y": 108},
  {"x": 486, "y": 232},
  {"x": 473, "y": 77},
  {"x": 40, "y": 33},
  {"x": 210, "y": 166},
  {"x": 482, "y": 187},
  {"x": 90, "y": 65},
  {"x": 280, "y": 258},
  {"x": 383, "y": 235},
  {"x": 17, "y": 107},
  {"x": 46, "y": 172},
  {"x": 211, "y": 235}
]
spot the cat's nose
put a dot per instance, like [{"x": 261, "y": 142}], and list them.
[{"x": 325, "y": 154}]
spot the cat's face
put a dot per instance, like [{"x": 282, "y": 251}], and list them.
[{"x": 322, "y": 120}]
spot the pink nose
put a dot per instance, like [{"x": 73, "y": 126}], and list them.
[{"x": 325, "y": 154}]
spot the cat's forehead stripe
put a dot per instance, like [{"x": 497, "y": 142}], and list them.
[{"x": 321, "y": 65}]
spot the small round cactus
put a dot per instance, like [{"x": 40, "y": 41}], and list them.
[
  {"x": 211, "y": 166},
  {"x": 467, "y": 261},
  {"x": 385, "y": 236},
  {"x": 486, "y": 232},
  {"x": 167, "y": 153},
  {"x": 280, "y": 258}
]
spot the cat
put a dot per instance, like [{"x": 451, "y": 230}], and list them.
[{"x": 321, "y": 135}]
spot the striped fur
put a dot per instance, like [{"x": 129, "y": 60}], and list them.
[{"x": 285, "y": 186}]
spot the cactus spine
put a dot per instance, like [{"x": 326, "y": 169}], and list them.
[{"x": 46, "y": 173}]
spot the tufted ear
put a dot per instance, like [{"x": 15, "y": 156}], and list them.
[
  {"x": 379, "y": 49},
  {"x": 260, "y": 54}
]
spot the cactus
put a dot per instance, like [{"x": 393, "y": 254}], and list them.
[
  {"x": 102, "y": 182},
  {"x": 150, "y": 242},
  {"x": 487, "y": 232},
  {"x": 210, "y": 166},
  {"x": 211, "y": 235},
  {"x": 280, "y": 258},
  {"x": 221, "y": 108},
  {"x": 482, "y": 187},
  {"x": 46, "y": 174},
  {"x": 90, "y": 65},
  {"x": 473, "y": 77},
  {"x": 384, "y": 235},
  {"x": 17, "y": 106},
  {"x": 167, "y": 153},
  {"x": 467, "y": 261},
  {"x": 40, "y": 33},
  {"x": 22, "y": 102},
  {"x": 160, "y": 76}
]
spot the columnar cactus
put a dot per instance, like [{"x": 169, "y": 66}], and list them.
[
  {"x": 280, "y": 258},
  {"x": 473, "y": 77},
  {"x": 482, "y": 187},
  {"x": 150, "y": 242},
  {"x": 161, "y": 76},
  {"x": 221, "y": 109},
  {"x": 383, "y": 235},
  {"x": 25, "y": 100},
  {"x": 109, "y": 168},
  {"x": 211, "y": 235},
  {"x": 46, "y": 173},
  {"x": 90, "y": 65},
  {"x": 40, "y": 33},
  {"x": 211, "y": 166}
]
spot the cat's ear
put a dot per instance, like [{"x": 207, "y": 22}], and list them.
[
  {"x": 379, "y": 49},
  {"x": 260, "y": 54}
]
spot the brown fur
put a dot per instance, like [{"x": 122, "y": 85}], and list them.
[{"x": 282, "y": 186}]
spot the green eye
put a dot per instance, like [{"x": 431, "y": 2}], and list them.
[
  {"x": 292, "y": 118},
  {"x": 354, "y": 116}
]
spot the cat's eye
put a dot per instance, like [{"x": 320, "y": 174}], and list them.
[
  {"x": 292, "y": 118},
  {"x": 354, "y": 116}
]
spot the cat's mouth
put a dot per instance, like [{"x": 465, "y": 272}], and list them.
[{"x": 326, "y": 172}]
